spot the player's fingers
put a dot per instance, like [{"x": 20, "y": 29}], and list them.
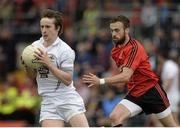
[
  {"x": 37, "y": 55},
  {"x": 91, "y": 74},
  {"x": 87, "y": 80},
  {"x": 87, "y": 77},
  {"x": 90, "y": 85},
  {"x": 40, "y": 50}
]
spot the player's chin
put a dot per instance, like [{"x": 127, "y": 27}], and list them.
[
  {"x": 115, "y": 41},
  {"x": 45, "y": 38}
]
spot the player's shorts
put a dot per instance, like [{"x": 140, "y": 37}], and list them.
[
  {"x": 153, "y": 101},
  {"x": 62, "y": 107}
]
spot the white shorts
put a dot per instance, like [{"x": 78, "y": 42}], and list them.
[
  {"x": 61, "y": 108},
  {"x": 136, "y": 109}
]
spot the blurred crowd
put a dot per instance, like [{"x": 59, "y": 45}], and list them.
[{"x": 155, "y": 23}]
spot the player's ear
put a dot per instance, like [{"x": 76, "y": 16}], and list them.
[
  {"x": 127, "y": 30},
  {"x": 58, "y": 28}
]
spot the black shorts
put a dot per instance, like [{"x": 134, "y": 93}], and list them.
[{"x": 153, "y": 101}]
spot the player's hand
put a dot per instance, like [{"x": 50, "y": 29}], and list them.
[
  {"x": 91, "y": 80},
  {"x": 42, "y": 56}
]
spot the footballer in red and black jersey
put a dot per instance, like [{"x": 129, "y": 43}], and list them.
[{"x": 133, "y": 55}]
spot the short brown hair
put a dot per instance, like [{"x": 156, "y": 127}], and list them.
[
  {"x": 56, "y": 15},
  {"x": 121, "y": 19}
]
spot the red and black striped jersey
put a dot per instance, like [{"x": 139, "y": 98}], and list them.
[{"x": 134, "y": 56}]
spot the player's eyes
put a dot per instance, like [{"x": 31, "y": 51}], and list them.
[
  {"x": 45, "y": 27},
  {"x": 116, "y": 30}
]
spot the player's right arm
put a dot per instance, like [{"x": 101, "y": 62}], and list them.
[{"x": 123, "y": 77}]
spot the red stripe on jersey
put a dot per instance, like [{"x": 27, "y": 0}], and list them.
[{"x": 133, "y": 54}]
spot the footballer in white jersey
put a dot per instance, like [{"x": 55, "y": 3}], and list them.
[
  {"x": 62, "y": 56},
  {"x": 64, "y": 97},
  {"x": 60, "y": 101}
]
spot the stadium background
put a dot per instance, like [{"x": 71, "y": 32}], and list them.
[{"x": 155, "y": 23}]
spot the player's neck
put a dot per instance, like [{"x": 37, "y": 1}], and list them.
[{"x": 48, "y": 43}]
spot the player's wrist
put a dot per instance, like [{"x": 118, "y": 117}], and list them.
[{"x": 102, "y": 81}]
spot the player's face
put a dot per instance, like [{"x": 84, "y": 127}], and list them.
[
  {"x": 118, "y": 33},
  {"x": 48, "y": 29}
]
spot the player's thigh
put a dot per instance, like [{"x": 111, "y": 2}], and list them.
[
  {"x": 168, "y": 121},
  {"x": 124, "y": 110},
  {"x": 79, "y": 120},
  {"x": 166, "y": 118},
  {"x": 52, "y": 123},
  {"x": 119, "y": 113}
]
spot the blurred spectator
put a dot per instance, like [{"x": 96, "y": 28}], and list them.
[
  {"x": 7, "y": 11},
  {"x": 83, "y": 56},
  {"x": 18, "y": 104},
  {"x": 84, "y": 91},
  {"x": 7, "y": 50},
  {"x": 93, "y": 109},
  {"x": 104, "y": 37},
  {"x": 164, "y": 14},
  {"x": 70, "y": 37},
  {"x": 90, "y": 18},
  {"x": 149, "y": 19},
  {"x": 136, "y": 18},
  {"x": 175, "y": 41},
  {"x": 161, "y": 41},
  {"x": 151, "y": 51},
  {"x": 110, "y": 8},
  {"x": 170, "y": 81},
  {"x": 110, "y": 100},
  {"x": 100, "y": 60}
]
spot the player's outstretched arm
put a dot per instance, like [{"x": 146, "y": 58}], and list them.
[{"x": 122, "y": 77}]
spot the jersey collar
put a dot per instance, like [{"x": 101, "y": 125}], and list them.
[{"x": 55, "y": 42}]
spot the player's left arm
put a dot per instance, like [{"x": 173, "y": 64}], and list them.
[{"x": 64, "y": 77}]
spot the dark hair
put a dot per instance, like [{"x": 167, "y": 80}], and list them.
[
  {"x": 56, "y": 15},
  {"x": 121, "y": 19}
]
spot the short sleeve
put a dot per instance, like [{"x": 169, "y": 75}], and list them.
[
  {"x": 67, "y": 61},
  {"x": 134, "y": 56}
]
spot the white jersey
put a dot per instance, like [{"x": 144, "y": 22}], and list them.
[
  {"x": 171, "y": 71},
  {"x": 63, "y": 57}
]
